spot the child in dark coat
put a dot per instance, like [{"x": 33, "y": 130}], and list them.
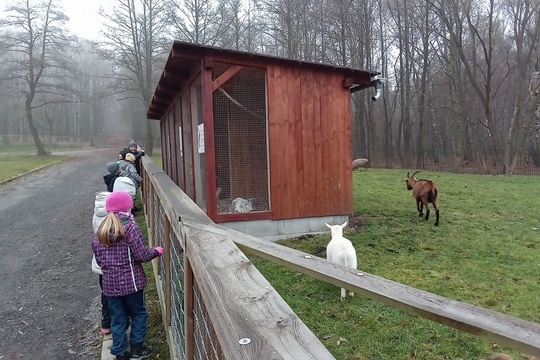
[
  {"x": 132, "y": 148},
  {"x": 120, "y": 250},
  {"x": 110, "y": 178}
]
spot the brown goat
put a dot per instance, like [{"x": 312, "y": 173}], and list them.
[{"x": 424, "y": 192}]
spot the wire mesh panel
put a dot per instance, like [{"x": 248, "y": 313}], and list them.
[
  {"x": 155, "y": 216},
  {"x": 177, "y": 296},
  {"x": 188, "y": 147},
  {"x": 180, "y": 143},
  {"x": 199, "y": 169},
  {"x": 159, "y": 227},
  {"x": 205, "y": 343},
  {"x": 240, "y": 140}
]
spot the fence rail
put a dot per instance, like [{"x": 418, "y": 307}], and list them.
[{"x": 217, "y": 305}]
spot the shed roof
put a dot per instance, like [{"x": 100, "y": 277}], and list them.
[{"x": 185, "y": 58}]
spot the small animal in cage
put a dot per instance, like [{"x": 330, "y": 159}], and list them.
[{"x": 240, "y": 205}]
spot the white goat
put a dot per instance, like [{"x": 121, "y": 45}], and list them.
[
  {"x": 361, "y": 162},
  {"x": 341, "y": 251}
]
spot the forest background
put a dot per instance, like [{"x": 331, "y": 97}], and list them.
[{"x": 463, "y": 75}]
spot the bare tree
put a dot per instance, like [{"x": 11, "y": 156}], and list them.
[
  {"x": 136, "y": 41},
  {"x": 496, "y": 61},
  {"x": 197, "y": 21},
  {"x": 525, "y": 19},
  {"x": 34, "y": 33},
  {"x": 285, "y": 26},
  {"x": 404, "y": 33}
]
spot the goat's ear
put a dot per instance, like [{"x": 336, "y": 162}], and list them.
[
  {"x": 344, "y": 224},
  {"x": 328, "y": 226}
]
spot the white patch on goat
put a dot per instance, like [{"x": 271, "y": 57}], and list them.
[{"x": 341, "y": 251}]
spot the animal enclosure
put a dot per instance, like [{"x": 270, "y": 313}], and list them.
[
  {"x": 253, "y": 139},
  {"x": 240, "y": 140}
]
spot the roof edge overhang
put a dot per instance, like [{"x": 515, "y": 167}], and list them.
[{"x": 185, "y": 58}]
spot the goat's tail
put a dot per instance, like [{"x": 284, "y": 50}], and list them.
[{"x": 432, "y": 195}]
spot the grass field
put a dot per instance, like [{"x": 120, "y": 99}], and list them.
[
  {"x": 485, "y": 252},
  {"x": 20, "y": 158}
]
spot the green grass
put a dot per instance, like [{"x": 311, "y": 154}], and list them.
[
  {"x": 17, "y": 164},
  {"x": 485, "y": 252},
  {"x": 19, "y": 158},
  {"x": 28, "y": 148}
]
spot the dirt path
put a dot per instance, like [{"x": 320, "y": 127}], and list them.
[{"x": 48, "y": 294}]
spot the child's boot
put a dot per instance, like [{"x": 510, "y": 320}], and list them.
[
  {"x": 124, "y": 356},
  {"x": 141, "y": 351}
]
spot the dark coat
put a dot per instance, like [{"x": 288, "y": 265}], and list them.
[{"x": 109, "y": 180}]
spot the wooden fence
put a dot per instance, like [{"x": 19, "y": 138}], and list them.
[{"x": 217, "y": 305}]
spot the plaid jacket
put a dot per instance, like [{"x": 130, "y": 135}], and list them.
[{"x": 121, "y": 262}]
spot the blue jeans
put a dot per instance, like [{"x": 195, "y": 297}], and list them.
[
  {"x": 105, "y": 314},
  {"x": 123, "y": 307}
]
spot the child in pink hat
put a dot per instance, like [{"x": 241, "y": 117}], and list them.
[{"x": 120, "y": 250}]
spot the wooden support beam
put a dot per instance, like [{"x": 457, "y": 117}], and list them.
[{"x": 222, "y": 79}]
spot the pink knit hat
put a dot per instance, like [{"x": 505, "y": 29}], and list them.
[{"x": 118, "y": 201}]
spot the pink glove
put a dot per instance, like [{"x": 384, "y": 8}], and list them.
[{"x": 159, "y": 250}]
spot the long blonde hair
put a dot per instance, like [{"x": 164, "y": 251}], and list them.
[{"x": 110, "y": 230}]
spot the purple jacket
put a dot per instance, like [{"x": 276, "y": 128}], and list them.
[{"x": 121, "y": 263}]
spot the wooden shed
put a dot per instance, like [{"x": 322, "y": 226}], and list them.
[{"x": 261, "y": 143}]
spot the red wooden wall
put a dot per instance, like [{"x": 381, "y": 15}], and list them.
[
  {"x": 309, "y": 140},
  {"x": 309, "y": 143}
]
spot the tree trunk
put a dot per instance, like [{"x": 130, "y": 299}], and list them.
[{"x": 33, "y": 130}]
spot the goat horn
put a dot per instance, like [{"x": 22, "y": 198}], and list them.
[
  {"x": 416, "y": 172},
  {"x": 408, "y": 174}
]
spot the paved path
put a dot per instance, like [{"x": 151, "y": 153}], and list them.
[{"x": 49, "y": 297}]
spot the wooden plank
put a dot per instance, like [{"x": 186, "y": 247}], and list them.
[
  {"x": 335, "y": 145},
  {"x": 317, "y": 163},
  {"x": 273, "y": 141},
  {"x": 227, "y": 74},
  {"x": 334, "y": 104},
  {"x": 250, "y": 216},
  {"x": 327, "y": 148},
  {"x": 311, "y": 143},
  {"x": 343, "y": 139},
  {"x": 277, "y": 135},
  {"x": 251, "y": 308},
  {"x": 195, "y": 104},
  {"x": 505, "y": 330},
  {"x": 294, "y": 143},
  {"x": 168, "y": 126},
  {"x": 282, "y": 104},
  {"x": 307, "y": 176},
  {"x": 189, "y": 146},
  {"x": 347, "y": 153},
  {"x": 210, "y": 152}
]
